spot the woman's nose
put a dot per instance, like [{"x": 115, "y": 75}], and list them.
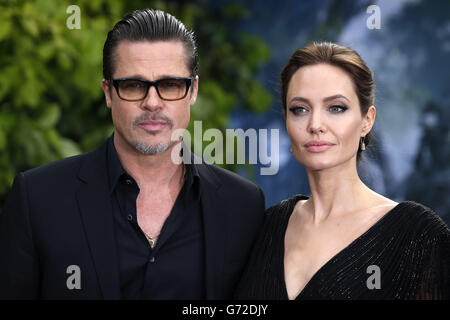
[{"x": 315, "y": 124}]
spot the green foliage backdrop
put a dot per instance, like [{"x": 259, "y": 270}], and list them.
[{"x": 51, "y": 102}]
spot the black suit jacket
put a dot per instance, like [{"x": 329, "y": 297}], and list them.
[{"x": 60, "y": 215}]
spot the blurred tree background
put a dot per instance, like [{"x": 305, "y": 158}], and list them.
[
  {"x": 51, "y": 102},
  {"x": 409, "y": 159},
  {"x": 52, "y": 105}
]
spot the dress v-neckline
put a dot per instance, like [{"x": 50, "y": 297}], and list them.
[{"x": 328, "y": 262}]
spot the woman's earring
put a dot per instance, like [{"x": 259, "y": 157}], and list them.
[
  {"x": 290, "y": 149},
  {"x": 362, "y": 144}
]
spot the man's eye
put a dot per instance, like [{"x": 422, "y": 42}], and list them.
[
  {"x": 133, "y": 85},
  {"x": 170, "y": 84},
  {"x": 337, "y": 109},
  {"x": 297, "y": 110}
]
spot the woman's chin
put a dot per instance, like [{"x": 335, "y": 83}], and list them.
[{"x": 317, "y": 165}]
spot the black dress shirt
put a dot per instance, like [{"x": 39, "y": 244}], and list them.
[{"x": 174, "y": 269}]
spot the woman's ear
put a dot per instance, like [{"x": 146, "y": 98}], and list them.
[{"x": 368, "y": 120}]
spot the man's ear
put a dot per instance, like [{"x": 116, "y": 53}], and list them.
[
  {"x": 368, "y": 120},
  {"x": 194, "y": 91},
  {"x": 107, "y": 90}
]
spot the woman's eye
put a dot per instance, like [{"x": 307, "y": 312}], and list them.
[
  {"x": 297, "y": 110},
  {"x": 337, "y": 109}
]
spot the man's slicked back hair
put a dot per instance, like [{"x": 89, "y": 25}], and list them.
[{"x": 149, "y": 25}]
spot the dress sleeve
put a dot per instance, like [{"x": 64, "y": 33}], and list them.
[
  {"x": 252, "y": 284},
  {"x": 435, "y": 278}
]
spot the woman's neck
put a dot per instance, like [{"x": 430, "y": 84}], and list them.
[{"x": 335, "y": 191}]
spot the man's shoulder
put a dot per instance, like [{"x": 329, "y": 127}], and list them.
[
  {"x": 226, "y": 177},
  {"x": 61, "y": 168},
  {"x": 62, "y": 165}
]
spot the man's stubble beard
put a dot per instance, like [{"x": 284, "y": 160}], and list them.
[
  {"x": 148, "y": 149},
  {"x": 144, "y": 147}
]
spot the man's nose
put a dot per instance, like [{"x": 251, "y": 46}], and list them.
[{"x": 152, "y": 101}]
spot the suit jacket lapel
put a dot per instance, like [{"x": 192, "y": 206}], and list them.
[
  {"x": 215, "y": 231},
  {"x": 96, "y": 214}
]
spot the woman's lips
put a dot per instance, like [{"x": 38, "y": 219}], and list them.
[{"x": 318, "y": 146}]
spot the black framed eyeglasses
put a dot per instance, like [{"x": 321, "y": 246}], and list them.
[{"x": 169, "y": 89}]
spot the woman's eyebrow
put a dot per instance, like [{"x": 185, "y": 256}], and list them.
[
  {"x": 300, "y": 99},
  {"x": 304, "y": 100},
  {"x": 336, "y": 96}
]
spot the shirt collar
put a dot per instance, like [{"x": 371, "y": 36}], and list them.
[
  {"x": 116, "y": 169},
  {"x": 193, "y": 178}
]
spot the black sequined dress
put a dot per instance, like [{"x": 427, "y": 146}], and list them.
[{"x": 410, "y": 245}]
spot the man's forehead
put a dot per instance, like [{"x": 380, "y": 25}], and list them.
[
  {"x": 144, "y": 50},
  {"x": 161, "y": 56}
]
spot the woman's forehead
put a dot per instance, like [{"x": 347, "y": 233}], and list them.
[{"x": 320, "y": 81}]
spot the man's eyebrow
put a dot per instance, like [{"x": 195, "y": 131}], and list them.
[
  {"x": 134, "y": 76},
  {"x": 304, "y": 100},
  {"x": 141, "y": 77}
]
